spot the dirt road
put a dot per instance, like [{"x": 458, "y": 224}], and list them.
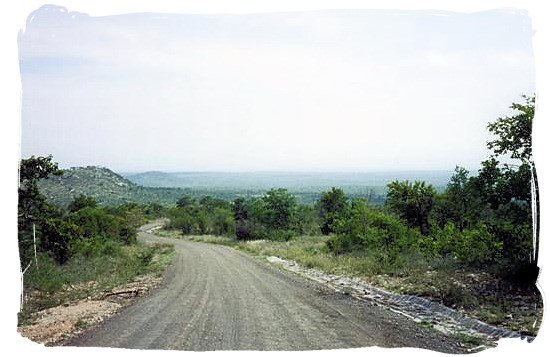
[{"x": 216, "y": 298}]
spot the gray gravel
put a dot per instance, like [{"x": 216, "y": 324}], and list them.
[
  {"x": 216, "y": 298},
  {"x": 419, "y": 309}
]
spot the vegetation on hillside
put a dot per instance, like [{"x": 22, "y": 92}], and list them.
[
  {"x": 104, "y": 186},
  {"x": 110, "y": 188},
  {"x": 83, "y": 243}
]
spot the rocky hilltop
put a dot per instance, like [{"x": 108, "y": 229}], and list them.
[{"x": 105, "y": 186}]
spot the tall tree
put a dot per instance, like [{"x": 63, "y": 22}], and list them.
[
  {"x": 513, "y": 188},
  {"x": 31, "y": 202},
  {"x": 514, "y": 133},
  {"x": 32, "y": 205}
]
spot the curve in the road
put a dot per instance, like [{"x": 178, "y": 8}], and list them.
[{"x": 216, "y": 298}]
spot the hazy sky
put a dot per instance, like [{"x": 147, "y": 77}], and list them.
[{"x": 326, "y": 90}]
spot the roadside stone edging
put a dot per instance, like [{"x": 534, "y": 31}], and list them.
[{"x": 417, "y": 308}]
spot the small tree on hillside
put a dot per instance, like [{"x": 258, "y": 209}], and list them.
[
  {"x": 459, "y": 203},
  {"x": 332, "y": 206},
  {"x": 80, "y": 202},
  {"x": 413, "y": 202},
  {"x": 185, "y": 201},
  {"x": 280, "y": 208}
]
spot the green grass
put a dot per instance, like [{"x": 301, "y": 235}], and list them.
[
  {"x": 469, "y": 340},
  {"x": 82, "y": 276}
]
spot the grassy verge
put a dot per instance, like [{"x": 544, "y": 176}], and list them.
[
  {"x": 82, "y": 276},
  {"x": 477, "y": 293}
]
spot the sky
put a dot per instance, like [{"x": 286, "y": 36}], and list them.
[{"x": 342, "y": 90}]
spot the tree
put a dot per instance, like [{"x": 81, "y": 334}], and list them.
[
  {"x": 413, "y": 202},
  {"x": 306, "y": 220},
  {"x": 511, "y": 190},
  {"x": 240, "y": 211},
  {"x": 249, "y": 215},
  {"x": 514, "y": 133},
  {"x": 58, "y": 235},
  {"x": 32, "y": 203},
  {"x": 211, "y": 203},
  {"x": 80, "y": 202},
  {"x": 223, "y": 222},
  {"x": 154, "y": 210},
  {"x": 184, "y": 201},
  {"x": 459, "y": 203},
  {"x": 33, "y": 207},
  {"x": 280, "y": 208},
  {"x": 332, "y": 206}
]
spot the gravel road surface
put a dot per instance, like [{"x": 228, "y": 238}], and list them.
[{"x": 217, "y": 298}]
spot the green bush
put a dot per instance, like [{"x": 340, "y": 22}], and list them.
[
  {"x": 97, "y": 222},
  {"x": 81, "y": 202},
  {"x": 250, "y": 230},
  {"x": 413, "y": 202},
  {"x": 222, "y": 222},
  {"x": 306, "y": 221},
  {"x": 99, "y": 246},
  {"x": 474, "y": 247},
  {"x": 57, "y": 236},
  {"x": 332, "y": 206},
  {"x": 368, "y": 229}
]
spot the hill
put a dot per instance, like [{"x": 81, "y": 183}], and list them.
[
  {"x": 105, "y": 186},
  {"x": 108, "y": 187}
]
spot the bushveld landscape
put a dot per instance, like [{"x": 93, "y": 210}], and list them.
[
  {"x": 468, "y": 246},
  {"x": 285, "y": 181}
]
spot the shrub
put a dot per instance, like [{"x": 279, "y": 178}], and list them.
[
  {"x": 475, "y": 246},
  {"x": 412, "y": 201},
  {"x": 222, "y": 222},
  {"x": 279, "y": 209},
  {"x": 81, "y": 202},
  {"x": 98, "y": 246},
  {"x": 56, "y": 238},
  {"x": 368, "y": 229},
  {"x": 332, "y": 206},
  {"x": 250, "y": 230},
  {"x": 306, "y": 221}
]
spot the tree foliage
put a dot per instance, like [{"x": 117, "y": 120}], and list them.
[
  {"x": 63, "y": 234},
  {"x": 185, "y": 201},
  {"x": 80, "y": 202},
  {"x": 514, "y": 133},
  {"x": 412, "y": 201},
  {"x": 279, "y": 209},
  {"x": 32, "y": 205},
  {"x": 481, "y": 220},
  {"x": 332, "y": 206}
]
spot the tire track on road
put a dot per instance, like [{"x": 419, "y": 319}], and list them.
[{"x": 216, "y": 298}]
